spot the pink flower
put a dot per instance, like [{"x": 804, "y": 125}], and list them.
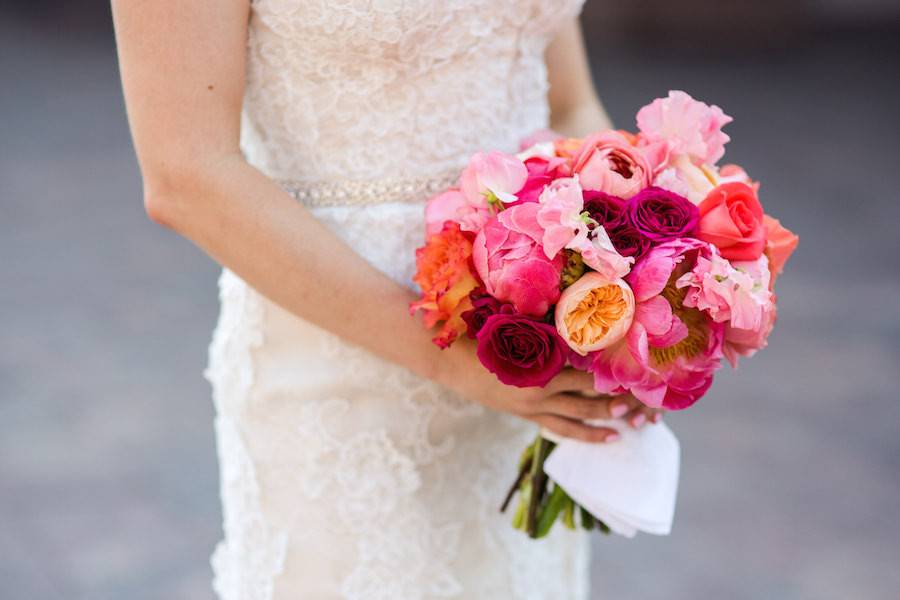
[
  {"x": 492, "y": 176},
  {"x": 671, "y": 351},
  {"x": 541, "y": 172},
  {"x": 509, "y": 257},
  {"x": 594, "y": 313},
  {"x": 737, "y": 293},
  {"x": 746, "y": 342},
  {"x": 566, "y": 225},
  {"x": 609, "y": 163},
  {"x": 453, "y": 206},
  {"x": 686, "y": 126}
]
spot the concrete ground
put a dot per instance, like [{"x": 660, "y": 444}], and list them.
[{"x": 108, "y": 480}]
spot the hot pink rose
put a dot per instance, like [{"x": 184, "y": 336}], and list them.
[
  {"x": 509, "y": 256},
  {"x": 685, "y": 126},
  {"x": 731, "y": 218},
  {"x": 609, "y": 163}
]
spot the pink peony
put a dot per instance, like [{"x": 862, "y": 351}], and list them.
[
  {"x": 685, "y": 126},
  {"x": 492, "y": 176},
  {"x": 671, "y": 351},
  {"x": 509, "y": 256},
  {"x": 609, "y": 163},
  {"x": 737, "y": 293}
]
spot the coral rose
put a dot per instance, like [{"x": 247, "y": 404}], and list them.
[
  {"x": 594, "y": 313},
  {"x": 731, "y": 218},
  {"x": 444, "y": 276},
  {"x": 780, "y": 244}
]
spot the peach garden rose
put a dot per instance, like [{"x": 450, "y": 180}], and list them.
[{"x": 594, "y": 313}]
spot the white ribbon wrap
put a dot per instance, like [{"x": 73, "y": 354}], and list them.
[{"x": 630, "y": 484}]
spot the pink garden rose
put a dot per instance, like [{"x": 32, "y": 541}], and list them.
[
  {"x": 685, "y": 126},
  {"x": 609, "y": 163},
  {"x": 510, "y": 259},
  {"x": 670, "y": 353},
  {"x": 492, "y": 175}
]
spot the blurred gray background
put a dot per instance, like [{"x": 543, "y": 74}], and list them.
[{"x": 790, "y": 486}]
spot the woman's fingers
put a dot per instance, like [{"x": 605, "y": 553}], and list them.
[
  {"x": 571, "y": 380},
  {"x": 584, "y": 408},
  {"x": 577, "y": 430}
]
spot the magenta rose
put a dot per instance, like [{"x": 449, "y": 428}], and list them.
[
  {"x": 509, "y": 257},
  {"x": 606, "y": 209},
  {"x": 483, "y": 306},
  {"x": 519, "y": 350},
  {"x": 661, "y": 215}
]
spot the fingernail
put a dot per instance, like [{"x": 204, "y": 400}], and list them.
[
  {"x": 638, "y": 420},
  {"x": 613, "y": 437},
  {"x": 618, "y": 408},
  {"x": 655, "y": 417}
]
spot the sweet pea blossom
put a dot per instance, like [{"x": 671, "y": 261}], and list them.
[
  {"x": 736, "y": 293},
  {"x": 453, "y": 206},
  {"x": 566, "y": 225},
  {"x": 685, "y": 126},
  {"x": 493, "y": 175}
]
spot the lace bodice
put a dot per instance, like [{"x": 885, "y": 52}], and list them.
[{"x": 362, "y": 89}]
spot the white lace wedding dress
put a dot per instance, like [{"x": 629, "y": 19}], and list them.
[{"x": 344, "y": 476}]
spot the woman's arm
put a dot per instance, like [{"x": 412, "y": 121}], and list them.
[
  {"x": 575, "y": 109},
  {"x": 183, "y": 70}
]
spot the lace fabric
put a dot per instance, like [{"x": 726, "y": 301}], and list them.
[{"x": 344, "y": 476}]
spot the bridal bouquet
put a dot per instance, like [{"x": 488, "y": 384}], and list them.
[{"x": 628, "y": 255}]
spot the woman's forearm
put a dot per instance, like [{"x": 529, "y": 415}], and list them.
[{"x": 247, "y": 223}]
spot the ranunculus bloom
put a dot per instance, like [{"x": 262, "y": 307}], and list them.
[
  {"x": 492, "y": 175},
  {"x": 671, "y": 351},
  {"x": 444, "y": 276},
  {"x": 594, "y": 313},
  {"x": 453, "y": 206},
  {"x": 780, "y": 244},
  {"x": 661, "y": 215},
  {"x": 746, "y": 342},
  {"x": 483, "y": 306},
  {"x": 609, "y": 163},
  {"x": 731, "y": 219},
  {"x": 737, "y": 293},
  {"x": 605, "y": 209},
  {"x": 519, "y": 350},
  {"x": 686, "y": 126},
  {"x": 509, "y": 256}
]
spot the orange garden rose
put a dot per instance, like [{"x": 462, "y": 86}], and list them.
[
  {"x": 594, "y": 313},
  {"x": 445, "y": 277}
]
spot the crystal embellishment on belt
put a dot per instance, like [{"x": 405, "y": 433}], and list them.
[{"x": 376, "y": 191}]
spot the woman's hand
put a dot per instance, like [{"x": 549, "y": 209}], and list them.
[{"x": 562, "y": 406}]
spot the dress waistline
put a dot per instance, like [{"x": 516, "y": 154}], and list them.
[{"x": 367, "y": 192}]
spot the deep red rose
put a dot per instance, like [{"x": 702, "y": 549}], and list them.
[
  {"x": 520, "y": 350},
  {"x": 628, "y": 241},
  {"x": 483, "y": 306},
  {"x": 606, "y": 209},
  {"x": 662, "y": 215}
]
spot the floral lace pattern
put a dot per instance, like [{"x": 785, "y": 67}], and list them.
[{"x": 342, "y": 475}]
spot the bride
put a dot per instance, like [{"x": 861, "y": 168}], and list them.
[{"x": 295, "y": 141}]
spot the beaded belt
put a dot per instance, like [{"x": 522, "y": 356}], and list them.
[{"x": 377, "y": 191}]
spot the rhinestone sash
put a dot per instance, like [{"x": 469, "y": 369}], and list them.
[{"x": 355, "y": 193}]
